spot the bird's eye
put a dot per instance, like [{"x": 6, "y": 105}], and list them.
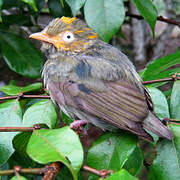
[{"x": 68, "y": 37}]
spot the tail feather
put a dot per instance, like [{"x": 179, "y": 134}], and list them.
[{"x": 153, "y": 124}]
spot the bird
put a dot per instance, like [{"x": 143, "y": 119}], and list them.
[{"x": 92, "y": 81}]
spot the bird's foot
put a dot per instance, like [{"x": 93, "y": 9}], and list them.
[{"x": 77, "y": 125}]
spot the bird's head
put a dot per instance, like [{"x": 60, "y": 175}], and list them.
[{"x": 67, "y": 35}]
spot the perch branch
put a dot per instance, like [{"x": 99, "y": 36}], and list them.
[
  {"x": 23, "y": 170},
  {"x": 25, "y": 97},
  {"x": 22, "y": 129},
  {"x": 50, "y": 171},
  {"x": 21, "y": 95}
]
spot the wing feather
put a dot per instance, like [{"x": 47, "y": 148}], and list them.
[{"x": 117, "y": 106}]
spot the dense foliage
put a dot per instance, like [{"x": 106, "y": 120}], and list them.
[{"x": 121, "y": 153}]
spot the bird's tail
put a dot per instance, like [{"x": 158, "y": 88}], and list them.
[{"x": 153, "y": 124}]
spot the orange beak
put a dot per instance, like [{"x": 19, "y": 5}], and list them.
[{"x": 43, "y": 36}]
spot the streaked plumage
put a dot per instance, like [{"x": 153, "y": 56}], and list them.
[{"x": 91, "y": 80}]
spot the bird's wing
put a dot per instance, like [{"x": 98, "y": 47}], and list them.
[{"x": 122, "y": 105}]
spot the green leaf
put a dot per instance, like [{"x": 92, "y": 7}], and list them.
[
  {"x": 166, "y": 165},
  {"x": 18, "y": 178},
  {"x": 42, "y": 112},
  {"x": 9, "y": 4},
  {"x": 135, "y": 162},
  {"x": 111, "y": 151},
  {"x": 161, "y": 107},
  {"x": 66, "y": 119},
  {"x": 40, "y": 4},
  {"x": 31, "y": 3},
  {"x": 15, "y": 90},
  {"x": 20, "y": 142},
  {"x": 64, "y": 174},
  {"x": 17, "y": 19},
  {"x": 10, "y": 116},
  {"x": 175, "y": 101},
  {"x": 57, "y": 9},
  {"x": 157, "y": 69},
  {"x": 75, "y": 5},
  {"x": 148, "y": 11},
  {"x": 20, "y": 55},
  {"x": 104, "y": 16},
  {"x": 121, "y": 175},
  {"x": 160, "y": 103},
  {"x": 57, "y": 145},
  {"x": 1, "y": 4}
]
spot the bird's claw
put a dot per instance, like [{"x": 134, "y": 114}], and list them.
[{"x": 78, "y": 126}]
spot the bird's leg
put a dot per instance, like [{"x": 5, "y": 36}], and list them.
[{"x": 77, "y": 125}]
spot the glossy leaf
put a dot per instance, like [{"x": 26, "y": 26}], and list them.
[
  {"x": 31, "y": 3},
  {"x": 1, "y": 4},
  {"x": 20, "y": 142},
  {"x": 42, "y": 112},
  {"x": 121, "y": 175},
  {"x": 17, "y": 19},
  {"x": 75, "y": 5},
  {"x": 158, "y": 68},
  {"x": 135, "y": 162},
  {"x": 175, "y": 101},
  {"x": 148, "y": 11},
  {"x": 15, "y": 90},
  {"x": 40, "y": 4},
  {"x": 9, "y": 4},
  {"x": 104, "y": 16},
  {"x": 64, "y": 174},
  {"x": 166, "y": 165},
  {"x": 57, "y": 145},
  {"x": 11, "y": 116},
  {"x": 66, "y": 119},
  {"x": 160, "y": 103},
  {"x": 161, "y": 106},
  {"x": 57, "y": 9},
  {"x": 111, "y": 151},
  {"x": 20, "y": 55}
]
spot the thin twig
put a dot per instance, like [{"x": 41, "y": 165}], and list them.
[
  {"x": 159, "y": 18},
  {"x": 14, "y": 129},
  {"x": 22, "y": 129},
  {"x": 26, "y": 97},
  {"x": 173, "y": 78},
  {"x": 102, "y": 173},
  {"x": 52, "y": 170},
  {"x": 158, "y": 80},
  {"x": 23, "y": 170}
]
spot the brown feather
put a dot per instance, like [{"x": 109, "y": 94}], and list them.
[
  {"x": 91, "y": 80},
  {"x": 106, "y": 107}
]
